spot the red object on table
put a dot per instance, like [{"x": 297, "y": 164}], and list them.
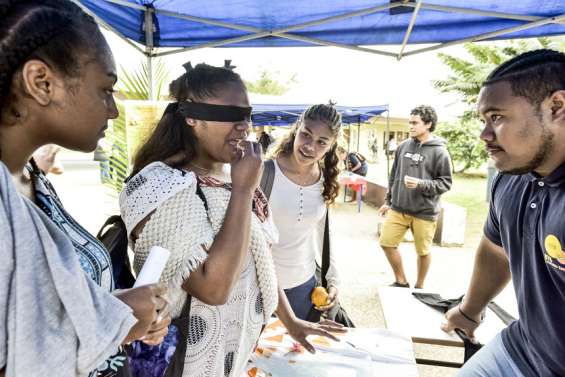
[{"x": 357, "y": 183}]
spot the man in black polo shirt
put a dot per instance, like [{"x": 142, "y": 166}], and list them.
[{"x": 522, "y": 105}]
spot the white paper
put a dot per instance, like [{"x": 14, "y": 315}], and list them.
[{"x": 153, "y": 267}]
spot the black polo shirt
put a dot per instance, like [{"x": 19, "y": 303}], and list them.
[{"x": 527, "y": 219}]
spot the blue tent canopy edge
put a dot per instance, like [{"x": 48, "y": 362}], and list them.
[{"x": 282, "y": 115}]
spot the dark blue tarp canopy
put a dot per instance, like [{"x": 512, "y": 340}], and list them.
[
  {"x": 260, "y": 23},
  {"x": 282, "y": 115}
]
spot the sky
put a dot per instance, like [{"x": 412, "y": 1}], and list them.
[{"x": 347, "y": 77}]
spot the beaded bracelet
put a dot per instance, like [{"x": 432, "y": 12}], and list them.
[{"x": 466, "y": 316}]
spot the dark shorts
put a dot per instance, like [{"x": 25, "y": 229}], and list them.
[{"x": 299, "y": 298}]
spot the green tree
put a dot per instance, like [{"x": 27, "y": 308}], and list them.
[
  {"x": 463, "y": 142},
  {"x": 465, "y": 79},
  {"x": 269, "y": 83},
  {"x": 467, "y": 75}
]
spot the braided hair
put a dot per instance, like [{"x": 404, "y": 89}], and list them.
[
  {"x": 329, "y": 165},
  {"x": 172, "y": 137},
  {"x": 534, "y": 75},
  {"x": 53, "y": 31}
]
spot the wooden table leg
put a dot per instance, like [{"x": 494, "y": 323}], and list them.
[{"x": 438, "y": 363}]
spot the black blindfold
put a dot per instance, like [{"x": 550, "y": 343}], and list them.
[{"x": 213, "y": 113}]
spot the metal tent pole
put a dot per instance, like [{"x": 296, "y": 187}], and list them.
[
  {"x": 282, "y": 32},
  {"x": 387, "y": 138},
  {"x": 106, "y": 25},
  {"x": 358, "y": 132},
  {"x": 492, "y": 34},
  {"x": 149, "y": 30},
  {"x": 409, "y": 29},
  {"x": 349, "y": 137}
]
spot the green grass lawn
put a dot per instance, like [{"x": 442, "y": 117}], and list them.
[{"x": 470, "y": 192}]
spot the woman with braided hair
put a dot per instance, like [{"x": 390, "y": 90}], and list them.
[
  {"x": 305, "y": 184},
  {"x": 58, "y": 316},
  {"x": 195, "y": 192}
]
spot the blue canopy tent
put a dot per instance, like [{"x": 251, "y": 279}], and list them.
[
  {"x": 353, "y": 24},
  {"x": 189, "y": 25},
  {"x": 349, "y": 24}
]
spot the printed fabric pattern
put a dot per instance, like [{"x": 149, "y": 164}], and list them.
[{"x": 93, "y": 257}]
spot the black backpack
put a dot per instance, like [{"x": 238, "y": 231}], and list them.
[
  {"x": 360, "y": 156},
  {"x": 113, "y": 235}
]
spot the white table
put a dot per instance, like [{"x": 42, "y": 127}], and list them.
[
  {"x": 361, "y": 352},
  {"x": 404, "y": 314}
]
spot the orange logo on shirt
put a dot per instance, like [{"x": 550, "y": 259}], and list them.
[{"x": 553, "y": 250}]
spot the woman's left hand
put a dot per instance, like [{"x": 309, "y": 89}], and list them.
[
  {"x": 299, "y": 330},
  {"x": 332, "y": 300},
  {"x": 159, "y": 328}
]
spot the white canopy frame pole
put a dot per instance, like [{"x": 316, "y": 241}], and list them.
[
  {"x": 409, "y": 29},
  {"x": 477, "y": 12},
  {"x": 476, "y": 38},
  {"x": 149, "y": 43},
  {"x": 104, "y": 24},
  {"x": 295, "y": 37},
  {"x": 282, "y": 33},
  {"x": 387, "y": 138}
]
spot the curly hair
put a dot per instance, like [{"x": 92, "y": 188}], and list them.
[
  {"x": 172, "y": 136},
  {"x": 329, "y": 165},
  {"x": 427, "y": 114}
]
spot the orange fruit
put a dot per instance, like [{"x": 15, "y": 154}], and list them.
[{"x": 319, "y": 296}]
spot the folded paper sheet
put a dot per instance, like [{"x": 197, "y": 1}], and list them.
[{"x": 360, "y": 353}]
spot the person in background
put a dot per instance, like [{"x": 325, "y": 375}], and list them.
[
  {"x": 46, "y": 159},
  {"x": 58, "y": 316},
  {"x": 420, "y": 174},
  {"x": 305, "y": 185},
  {"x": 263, "y": 138},
  {"x": 354, "y": 162},
  {"x": 522, "y": 107},
  {"x": 391, "y": 145},
  {"x": 374, "y": 147}
]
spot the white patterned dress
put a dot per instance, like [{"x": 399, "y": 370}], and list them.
[{"x": 221, "y": 338}]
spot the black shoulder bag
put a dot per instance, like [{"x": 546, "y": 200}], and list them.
[
  {"x": 113, "y": 235},
  {"x": 337, "y": 313}
]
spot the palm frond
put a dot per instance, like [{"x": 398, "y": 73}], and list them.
[{"x": 133, "y": 85}]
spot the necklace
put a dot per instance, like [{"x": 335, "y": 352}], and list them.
[
  {"x": 204, "y": 171},
  {"x": 301, "y": 178}
]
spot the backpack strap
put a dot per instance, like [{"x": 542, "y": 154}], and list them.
[
  {"x": 201, "y": 195},
  {"x": 268, "y": 177},
  {"x": 110, "y": 221},
  {"x": 176, "y": 365},
  {"x": 326, "y": 250}
]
